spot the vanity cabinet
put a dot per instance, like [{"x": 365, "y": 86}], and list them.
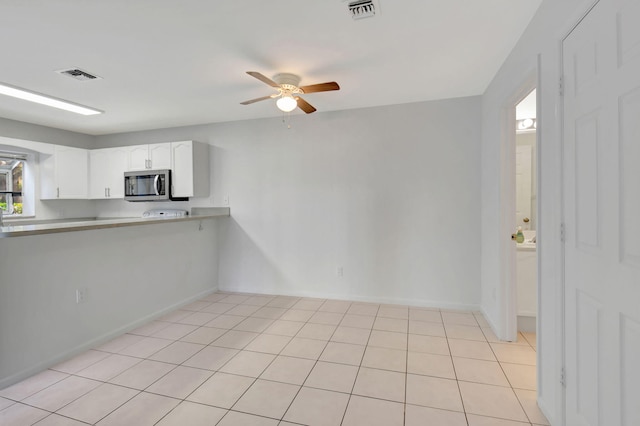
[
  {"x": 106, "y": 172},
  {"x": 189, "y": 169},
  {"x": 149, "y": 157},
  {"x": 64, "y": 174}
]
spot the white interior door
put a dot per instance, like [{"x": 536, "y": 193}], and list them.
[{"x": 601, "y": 60}]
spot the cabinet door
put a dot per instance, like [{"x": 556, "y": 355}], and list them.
[
  {"x": 160, "y": 156},
  {"x": 98, "y": 170},
  {"x": 138, "y": 157},
  {"x": 118, "y": 163},
  {"x": 48, "y": 183},
  {"x": 72, "y": 173},
  {"x": 182, "y": 168}
]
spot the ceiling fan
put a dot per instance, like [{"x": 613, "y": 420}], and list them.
[{"x": 288, "y": 90}]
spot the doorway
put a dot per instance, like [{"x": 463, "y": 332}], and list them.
[
  {"x": 509, "y": 219},
  {"x": 526, "y": 282}
]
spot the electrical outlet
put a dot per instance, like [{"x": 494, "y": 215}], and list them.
[
  {"x": 340, "y": 271},
  {"x": 81, "y": 295}
]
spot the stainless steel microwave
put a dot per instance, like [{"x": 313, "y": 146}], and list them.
[{"x": 147, "y": 185}]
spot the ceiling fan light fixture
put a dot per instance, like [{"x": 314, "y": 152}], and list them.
[{"x": 286, "y": 103}]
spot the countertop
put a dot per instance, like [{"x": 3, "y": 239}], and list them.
[
  {"x": 526, "y": 246},
  {"x": 15, "y": 228}
]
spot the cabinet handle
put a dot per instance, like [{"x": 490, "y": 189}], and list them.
[
  {"x": 109, "y": 192},
  {"x": 58, "y": 192},
  {"x": 105, "y": 193}
]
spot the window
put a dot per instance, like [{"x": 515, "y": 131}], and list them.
[{"x": 11, "y": 179}]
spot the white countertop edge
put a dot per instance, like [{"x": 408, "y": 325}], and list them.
[
  {"x": 526, "y": 247},
  {"x": 16, "y": 230}
]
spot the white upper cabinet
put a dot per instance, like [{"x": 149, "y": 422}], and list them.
[
  {"x": 190, "y": 169},
  {"x": 74, "y": 173},
  {"x": 106, "y": 172},
  {"x": 147, "y": 157},
  {"x": 138, "y": 157},
  {"x": 64, "y": 174},
  {"x": 160, "y": 156}
]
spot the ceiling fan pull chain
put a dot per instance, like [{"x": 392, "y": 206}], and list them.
[{"x": 286, "y": 119}]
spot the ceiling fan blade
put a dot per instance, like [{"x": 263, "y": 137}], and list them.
[
  {"x": 263, "y": 78},
  {"x": 304, "y": 105},
  {"x": 322, "y": 87},
  {"x": 264, "y": 98}
]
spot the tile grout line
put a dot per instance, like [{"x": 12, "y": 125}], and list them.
[
  {"x": 229, "y": 410},
  {"x": 455, "y": 373},
  {"x": 316, "y": 361},
  {"x": 510, "y": 385},
  {"x": 248, "y": 387},
  {"x": 406, "y": 370},
  {"x": 173, "y": 369},
  {"x": 344, "y": 415},
  {"x": 265, "y": 369}
]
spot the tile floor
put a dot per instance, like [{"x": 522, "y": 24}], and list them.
[{"x": 256, "y": 360}]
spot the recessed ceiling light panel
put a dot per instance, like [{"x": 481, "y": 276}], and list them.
[{"x": 30, "y": 96}]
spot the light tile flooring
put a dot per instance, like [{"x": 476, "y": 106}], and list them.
[{"x": 255, "y": 360}]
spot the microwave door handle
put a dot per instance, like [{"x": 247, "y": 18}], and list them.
[{"x": 156, "y": 181}]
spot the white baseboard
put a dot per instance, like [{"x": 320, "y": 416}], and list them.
[
  {"x": 21, "y": 375},
  {"x": 368, "y": 299},
  {"x": 527, "y": 323},
  {"x": 491, "y": 323},
  {"x": 543, "y": 407}
]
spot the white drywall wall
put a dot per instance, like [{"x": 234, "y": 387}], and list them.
[
  {"x": 390, "y": 194},
  {"x": 130, "y": 274},
  {"x": 34, "y": 132}
]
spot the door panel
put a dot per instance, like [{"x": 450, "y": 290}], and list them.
[
  {"x": 601, "y": 60},
  {"x": 630, "y": 330},
  {"x": 628, "y": 37},
  {"x": 630, "y": 177},
  {"x": 587, "y": 181},
  {"x": 588, "y": 365}
]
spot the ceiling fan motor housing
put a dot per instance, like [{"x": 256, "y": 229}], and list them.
[{"x": 287, "y": 79}]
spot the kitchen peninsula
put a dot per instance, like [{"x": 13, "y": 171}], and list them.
[{"x": 23, "y": 228}]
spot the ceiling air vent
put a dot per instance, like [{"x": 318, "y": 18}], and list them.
[
  {"x": 361, "y": 9},
  {"x": 78, "y": 74}
]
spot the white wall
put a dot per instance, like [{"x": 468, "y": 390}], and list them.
[
  {"x": 391, "y": 194},
  {"x": 34, "y": 132},
  {"x": 543, "y": 37},
  {"x": 131, "y": 274}
]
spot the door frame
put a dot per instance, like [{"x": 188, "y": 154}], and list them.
[{"x": 508, "y": 285}]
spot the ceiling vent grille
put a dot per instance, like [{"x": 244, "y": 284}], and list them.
[
  {"x": 78, "y": 74},
  {"x": 361, "y": 9}
]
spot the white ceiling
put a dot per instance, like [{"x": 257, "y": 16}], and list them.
[
  {"x": 173, "y": 63},
  {"x": 527, "y": 107}
]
